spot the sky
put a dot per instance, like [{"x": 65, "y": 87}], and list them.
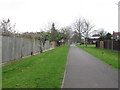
[{"x": 36, "y": 15}]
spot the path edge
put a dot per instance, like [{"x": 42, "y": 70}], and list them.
[{"x": 65, "y": 69}]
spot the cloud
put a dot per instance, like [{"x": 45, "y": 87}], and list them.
[{"x": 33, "y": 15}]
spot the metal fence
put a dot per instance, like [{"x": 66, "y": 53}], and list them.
[{"x": 109, "y": 44}]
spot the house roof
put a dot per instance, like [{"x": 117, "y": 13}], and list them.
[
  {"x": 116, "y": 33},
  {"x": 93, "y": 37}
]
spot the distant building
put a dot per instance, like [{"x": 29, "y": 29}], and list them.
[
  {"x": 116, "y": 35},
  {"x": 93, "y": 39}
]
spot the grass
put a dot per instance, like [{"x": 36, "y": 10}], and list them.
[
  {"x": 45, "y": 70},
  {"x": 108, "y": 56}
]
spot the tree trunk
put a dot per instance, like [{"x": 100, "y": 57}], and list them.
[
  {"x": 86, "y": 39},
  {"x": 80, "y": 38},
  {"x": 80, "y": 41},
  {"x": 86, "y": 42},
  {"x": 54, "y": 44}
]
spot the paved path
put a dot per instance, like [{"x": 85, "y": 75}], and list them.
[{"x": 85, "y": 71}]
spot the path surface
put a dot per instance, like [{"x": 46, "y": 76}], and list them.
[{"x": 85, "y": 71}]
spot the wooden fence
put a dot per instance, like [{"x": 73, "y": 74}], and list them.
[{"x": 109, "y": 44}]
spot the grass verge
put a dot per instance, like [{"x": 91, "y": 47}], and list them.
[
  {"x": 108, "y": 56},
  {"x": 45, "y": 70}
]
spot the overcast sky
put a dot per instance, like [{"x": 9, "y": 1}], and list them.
[{"x": 34, "y": 15}]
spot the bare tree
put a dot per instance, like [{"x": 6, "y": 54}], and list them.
[
  {"x": 78, "y": 26},
  {"x": 6, "y": 27},
  {"x": 75, "y": 37},
  {"x": 87, "y": 28},
  {"x": 102, "y": 32},
  {"x": 66, "y": 33},
  {"x": 104, "y": 35}
]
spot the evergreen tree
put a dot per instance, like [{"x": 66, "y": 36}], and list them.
[{"x": 54, "y": 33}]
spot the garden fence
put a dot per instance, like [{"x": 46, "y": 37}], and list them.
[
  {"x": 13, "y": 48},
  {"x": 108, "y": 44}
]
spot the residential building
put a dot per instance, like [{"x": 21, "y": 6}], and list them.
[{"x": 116, "y": 35}]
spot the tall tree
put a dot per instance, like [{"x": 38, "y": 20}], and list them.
[
  {"x": 105, "y": 37},
  {"x": 75, "y": 37},
  {"x": 54, "y": 33},
  {"x": 87, "y": 28},
  {"x": 78, "y": 26},
  {"x": 108, "y": 36},
  {"x": 102, "y": 32},
  {"x": 66, "y": 33}
]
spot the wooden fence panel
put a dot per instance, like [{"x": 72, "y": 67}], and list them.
[
  {"x": 109, "y": 44},
  {"x": 101, "y": 44},
  {"x": 115, "y": 45},
  {"x": 105, "y": 44},
  {"x": 98, "y": 44}
]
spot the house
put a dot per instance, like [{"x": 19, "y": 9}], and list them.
[
  {"x": 93, "y": 39},
  {"x": 116, "y": 35}
]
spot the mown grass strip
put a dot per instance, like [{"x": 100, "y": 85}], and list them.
[
  {"x": 45, "y": 70},
  {"x": 108, "y": 56}
]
